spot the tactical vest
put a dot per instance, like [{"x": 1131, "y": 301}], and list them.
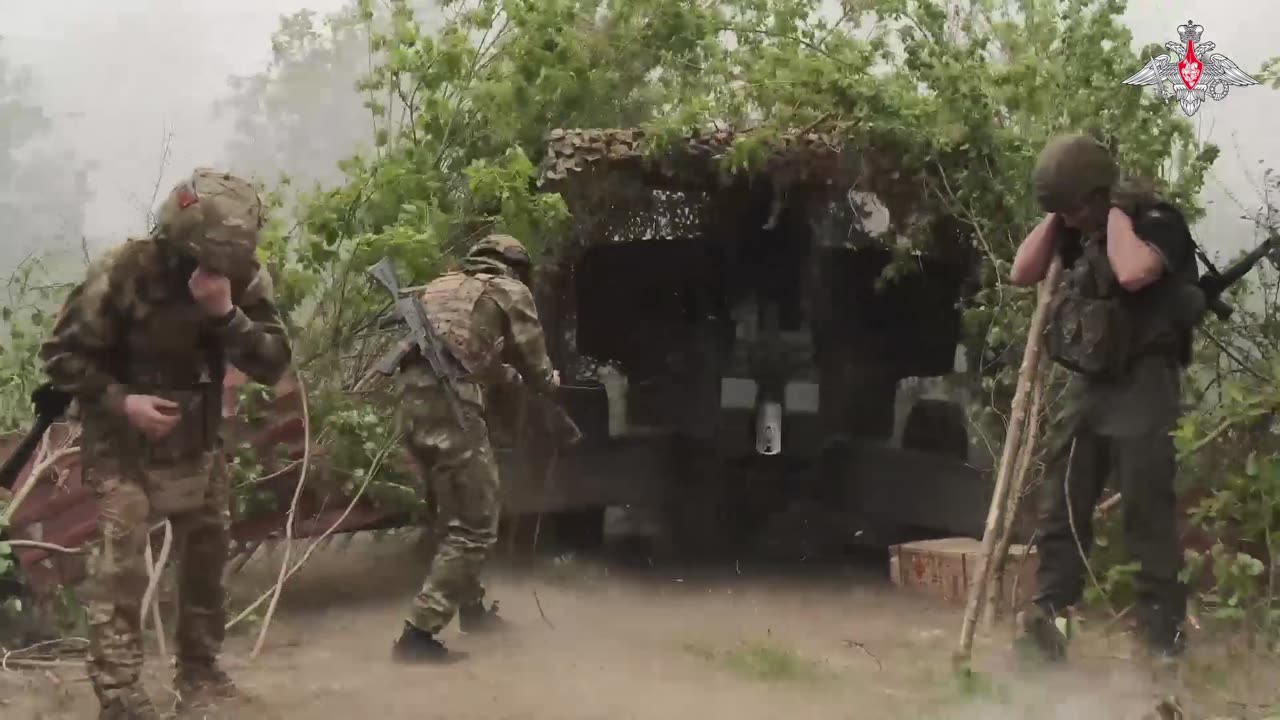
[
  {"x": 165, "y": 351},
  {"x": 449, "y": 301},
  {"x": 1098, "y": 329}
]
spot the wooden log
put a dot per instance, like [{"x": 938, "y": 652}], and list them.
[
  {"x": 1008, "y": 458},
  {"x": 1026, "y": 457}
]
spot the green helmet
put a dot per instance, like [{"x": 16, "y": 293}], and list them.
[
  {"x": 498, "y": 253},
  {"x": 213, "y": 217},
  {"x": 1069, "y": 170}
]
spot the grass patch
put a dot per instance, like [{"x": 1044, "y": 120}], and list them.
[
  {"x": 771, "y": 663},
  {"x": 974, "y": 685},
  {"x": 761, "y": 662},
  {"x": 968, "y": 692}
]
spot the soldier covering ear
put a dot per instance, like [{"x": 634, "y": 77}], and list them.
[
  {"x": 144, "y": 358},
  {"x": 1127, "y": 345}
]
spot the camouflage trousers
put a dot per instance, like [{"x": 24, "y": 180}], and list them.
[
  {"x": 460, "y": 470},
  {"x": 117, "y": 577}
]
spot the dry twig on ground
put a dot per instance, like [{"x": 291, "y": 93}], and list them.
[
  {"x": 155, "y": 568},
  {"x": 375, "y": 466},
  {"x": 37, "y": 545},
  {"x": 33, "y": 478},
  {"x": 288, "y": 527},
  {"x": 863, "y": 648},
  {"x": 545, "y": 619},
  {"x": 548, "y": 482},
  {"x": 10, "y": 658}
]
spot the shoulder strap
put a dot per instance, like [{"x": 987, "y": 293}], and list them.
[
  {"x": 215, "y": 357},
  {"x": 1158, "y": 203}
]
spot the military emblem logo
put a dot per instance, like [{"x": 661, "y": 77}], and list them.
[{"x": 1191, "y": 71}]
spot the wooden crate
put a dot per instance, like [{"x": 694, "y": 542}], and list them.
[{"x": 946, "y": 569}]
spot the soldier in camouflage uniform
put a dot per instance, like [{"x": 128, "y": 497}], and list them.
[
  {"x": 142, "y": 345},
  {"x": 1122, "y": 322},
  {"x": 486, "y": 318}
]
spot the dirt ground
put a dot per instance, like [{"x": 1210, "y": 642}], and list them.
[{"x": 592, "y": 642}]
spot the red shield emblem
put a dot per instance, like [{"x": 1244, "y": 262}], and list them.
[
  {"x": 187, "y": 196},
  {"x": 1190, "y": 68}
]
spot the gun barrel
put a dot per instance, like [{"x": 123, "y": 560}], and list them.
[{"x": 1241, "y": 267}]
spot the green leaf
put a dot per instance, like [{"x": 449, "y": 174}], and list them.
[{"x": 1252, "y": 566}]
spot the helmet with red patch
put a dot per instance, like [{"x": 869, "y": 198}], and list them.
[{"x": 213, "y": 217}]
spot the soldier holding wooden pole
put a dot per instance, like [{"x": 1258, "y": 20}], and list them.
[{"x": 1122, "y": 323}]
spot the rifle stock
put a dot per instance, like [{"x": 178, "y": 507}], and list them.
[{"x": 49, "y": 405}]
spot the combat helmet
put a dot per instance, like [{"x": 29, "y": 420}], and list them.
[
  {"x": 212, "y": 217},
  {"x": 1069, "y": 170},
  {"x": 500, "y": 254}
]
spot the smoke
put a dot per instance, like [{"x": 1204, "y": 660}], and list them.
[
  {"x": 1068, "y": 693},
  {"x": 118, "y": 78}
]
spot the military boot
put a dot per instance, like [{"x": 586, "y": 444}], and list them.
[
  {"x": 202, "y": 686},
  {"x": 128, "y": 704},
  {"x": 476, "y": 618},
  {"x": 1162, "y": 635},
  {"x": 1037, "y": 638},
  {"x": 419, "y": 646},
  {"x": 1165, "y": 650}
]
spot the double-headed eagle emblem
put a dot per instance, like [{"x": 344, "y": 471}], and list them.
[{"x": 1182, "y": 73}]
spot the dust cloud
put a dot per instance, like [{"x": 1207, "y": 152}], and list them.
[
  {"x": 590, "y": 641},
  {"x": 120, "y": 82},
  {"x": 112, "y": 100}
]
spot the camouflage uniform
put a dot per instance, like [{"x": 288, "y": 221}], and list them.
[
  {"x": 132, "y": 327},
  {"x": 484, "y": 315}
]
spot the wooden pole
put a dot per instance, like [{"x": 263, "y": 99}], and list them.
[
  {"x": 1026, "y": 457},
  {"x": 1008, "y": 457}
]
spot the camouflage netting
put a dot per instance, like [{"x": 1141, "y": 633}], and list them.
[
  {"x": 629, "y": 185},
  {"x": 840, "y": 186},
  {"x": 692, "y": 162}
]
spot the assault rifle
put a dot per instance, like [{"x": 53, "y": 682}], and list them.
[
  {"x": 443, "y": 364},
  {"x": 409, "y": 306},
  {"x": 1213, "y": 283},
  {"x": 49, "y": 405}
]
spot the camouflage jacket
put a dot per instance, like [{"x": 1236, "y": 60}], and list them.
[
  {"x": 490, "y": 323},
  {"x": 132, "y": 327}
]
